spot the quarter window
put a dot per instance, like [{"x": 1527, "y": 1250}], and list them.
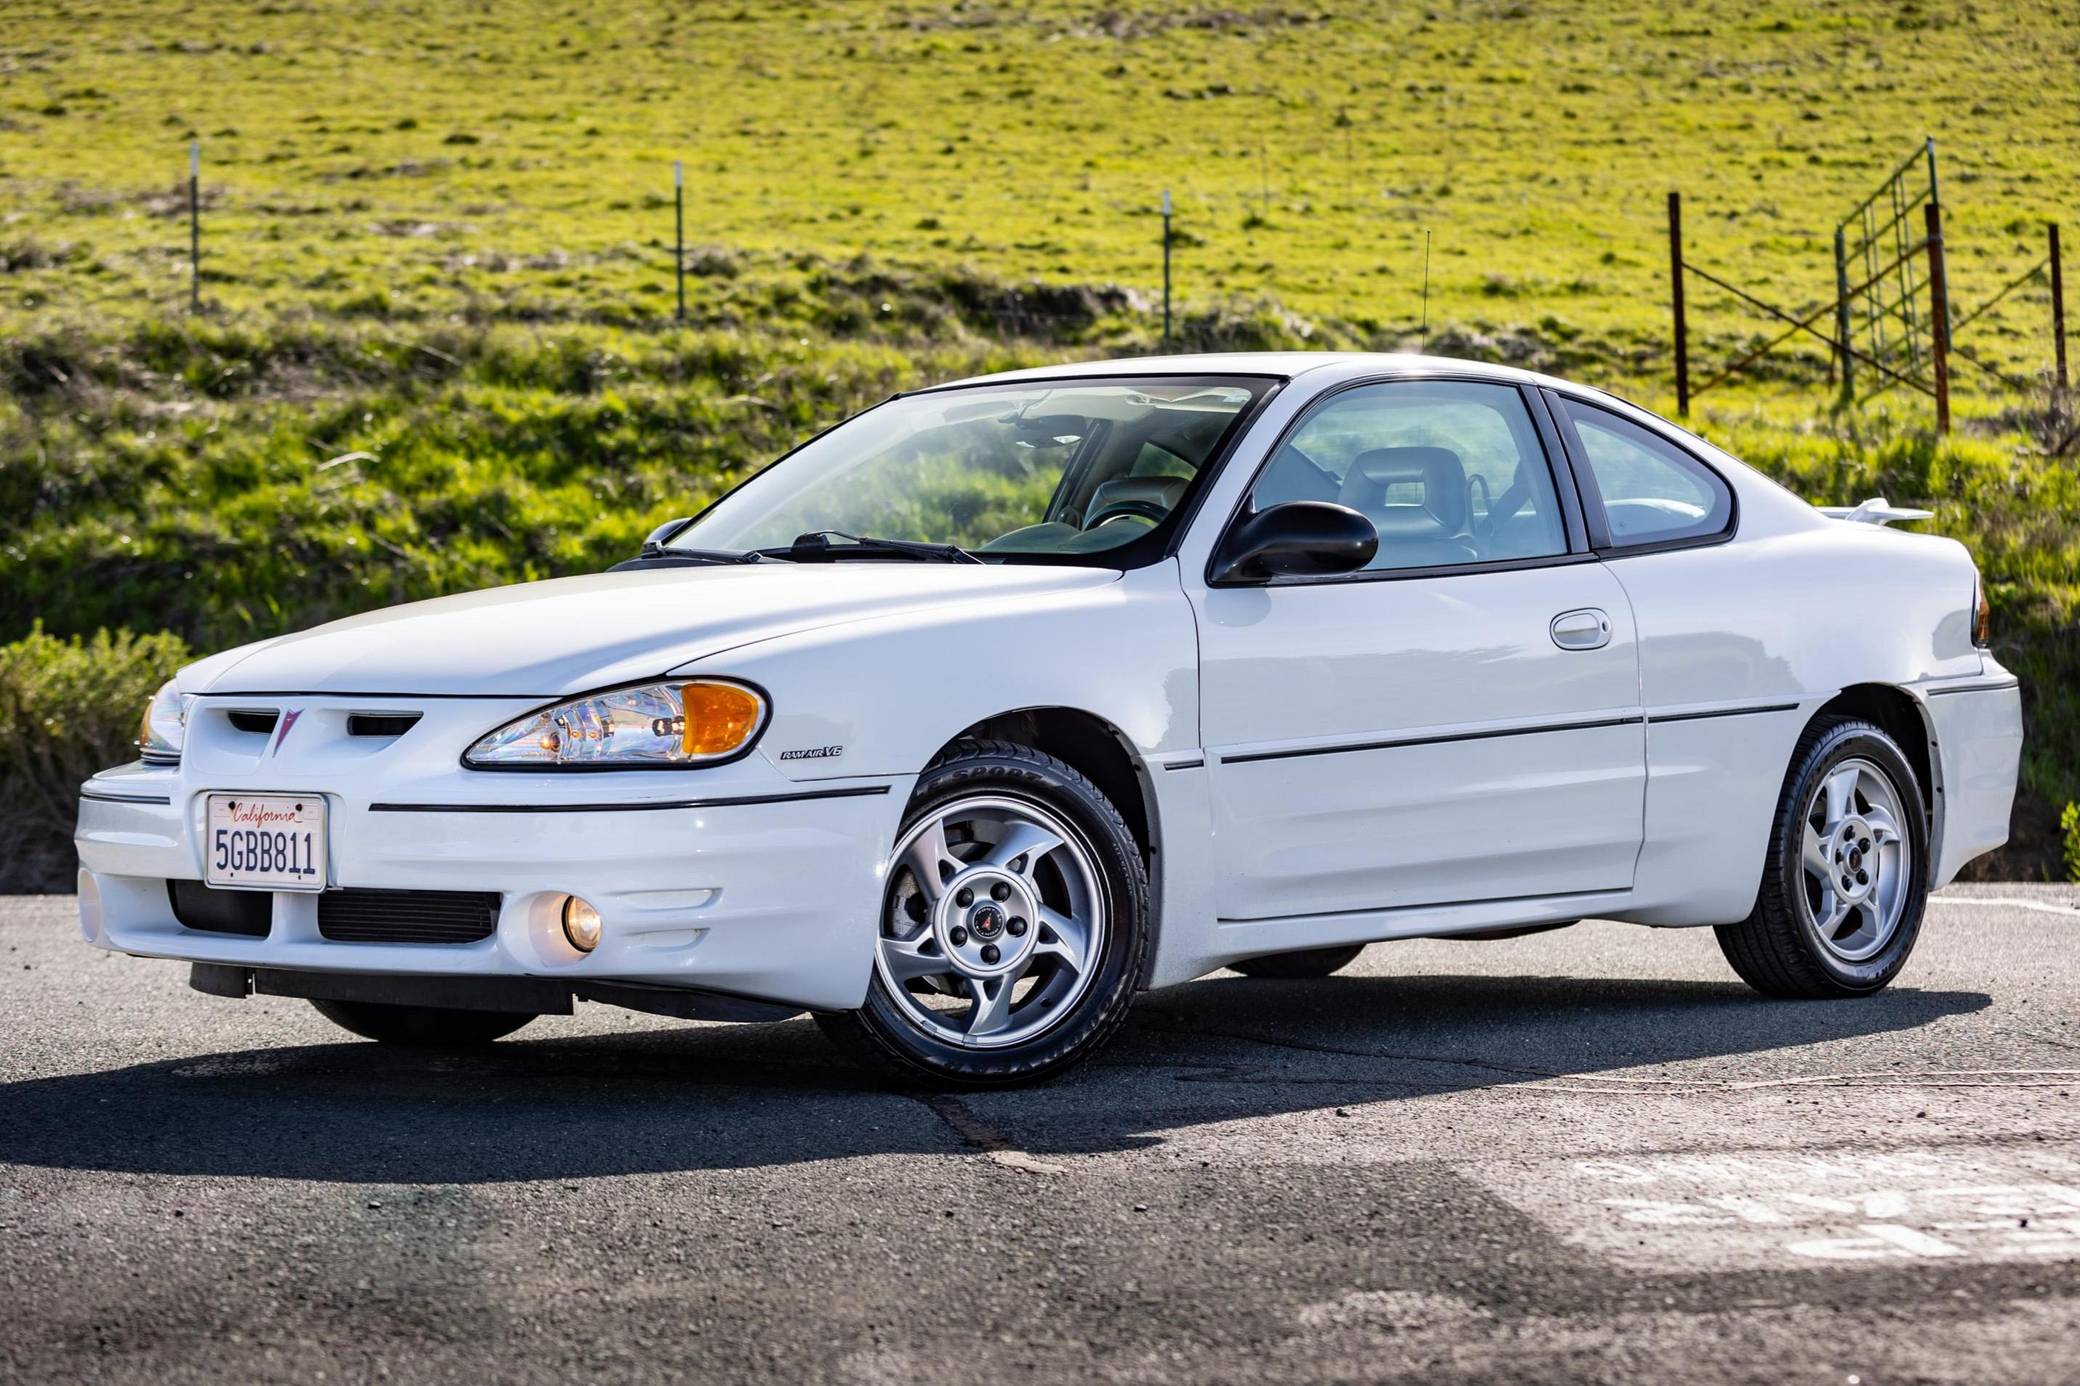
[
  {"x": 1652, "y": 491},
  {"x": 1449, "y": 472}
]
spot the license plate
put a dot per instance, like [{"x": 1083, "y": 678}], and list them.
[{"x": 265, "y": 842}]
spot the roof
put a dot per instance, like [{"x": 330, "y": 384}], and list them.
[{"x": 1283, "y": 364}]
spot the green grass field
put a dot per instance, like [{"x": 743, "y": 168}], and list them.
[{"x": 438, "y": 349}]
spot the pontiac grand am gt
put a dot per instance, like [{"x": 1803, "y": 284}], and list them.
[{"x": 1004, "y": 700}]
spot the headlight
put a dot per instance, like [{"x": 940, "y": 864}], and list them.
[
  {"x": 165, "y": 726},
  {"x": 681, "y": 723}
]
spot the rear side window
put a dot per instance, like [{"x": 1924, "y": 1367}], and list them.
[{"x": 1651, "y": 491}]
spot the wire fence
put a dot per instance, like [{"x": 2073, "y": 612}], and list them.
[
  {"x": 1887, "y": 259},
  {"x": 1897, "y": 321}
]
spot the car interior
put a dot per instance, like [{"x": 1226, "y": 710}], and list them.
[
  {"x": 1431, "y": 508},
  {"x": 1126, "y": 472}
]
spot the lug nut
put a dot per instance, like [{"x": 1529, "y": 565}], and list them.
[
  {"x": 964, "y": 897},
  {"x": 957, "y": 935},
  {"x": 1016, "y": 928},
  {"x": 1000, "y": 891},
  {"x": 990, "y": 953},
  {"x": 1863, "y": 878}
]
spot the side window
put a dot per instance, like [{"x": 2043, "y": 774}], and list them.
[
  {"x": 1652, "y": 490},
  {"x": 1448, "y": 472}
]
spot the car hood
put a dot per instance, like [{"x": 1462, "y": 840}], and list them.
[{"x": 570, "y": 635}]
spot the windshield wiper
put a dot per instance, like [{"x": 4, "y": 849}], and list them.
[
  {"x": 665, "y": 556},
  {"x": 816, "y": 546}
]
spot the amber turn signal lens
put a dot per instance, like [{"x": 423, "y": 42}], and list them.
[
  {"x": 720, "y": 717},
  {"x": 1982, "y": 618}
]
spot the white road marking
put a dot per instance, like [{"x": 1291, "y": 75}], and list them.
[
  {"x": 1777, "y": 1208},
  {"x": 2006, "y": 903}
]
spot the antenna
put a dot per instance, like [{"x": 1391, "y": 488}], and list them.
[{"x": 1426, "y": 286}]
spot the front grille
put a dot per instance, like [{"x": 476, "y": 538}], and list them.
[
  {"x": 407, "y": 916},
  {"x": 246, "y": 912},
  {"x": 258, "y": 723}
]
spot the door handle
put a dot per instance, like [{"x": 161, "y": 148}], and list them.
[{"x": 1582, "y": 629}]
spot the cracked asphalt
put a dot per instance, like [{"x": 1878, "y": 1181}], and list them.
[{"x": 1585, "y": 1155}]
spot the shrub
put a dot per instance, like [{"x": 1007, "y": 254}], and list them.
[
  {"x": 69, "y": 707},
  {"x": 2070, "y": 822}
]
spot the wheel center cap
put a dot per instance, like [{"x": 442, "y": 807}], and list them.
[{"x": 986, "y": 922}]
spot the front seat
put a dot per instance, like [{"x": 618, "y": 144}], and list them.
[
  {"x": 1423, "y": 530},
  {"x": 1162, "y": 492}
]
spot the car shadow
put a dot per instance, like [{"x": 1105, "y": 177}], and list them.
[{"x": 729, "y": 1097}]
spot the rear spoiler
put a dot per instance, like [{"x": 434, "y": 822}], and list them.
[{"x": 1875, "y": 511}]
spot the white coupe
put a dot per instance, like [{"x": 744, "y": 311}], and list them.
[{"x": 1004, "y": 700}]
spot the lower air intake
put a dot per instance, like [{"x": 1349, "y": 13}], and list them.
[
  {"x": 246, "y": 912},
  {"x": 407, "y": 916}
]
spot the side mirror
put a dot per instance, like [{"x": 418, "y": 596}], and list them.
[{"x": 1295, "y": 539}]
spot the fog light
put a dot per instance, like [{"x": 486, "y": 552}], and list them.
[{"x": 580, "y": 924}]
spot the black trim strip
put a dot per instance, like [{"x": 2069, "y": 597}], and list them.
[
  {"x": 126, "y": 798},
  {"x": 1185, "y": 765},
  {"x": 1976, "y": 688},
  {"x": 1428, "y": 905},
  {"x": 1721, "y": 712},
  {"x": 336, "y": 694},
  {"x": 857, "y": 792},
  {"x": 1633, "y": 720}
]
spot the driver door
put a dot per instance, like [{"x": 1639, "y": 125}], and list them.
[{"x": 1460, "y": 721}]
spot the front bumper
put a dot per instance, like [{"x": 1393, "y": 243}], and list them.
[{"x": 732, "y": 879}]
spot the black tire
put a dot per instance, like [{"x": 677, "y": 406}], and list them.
[
  {"x": 1776, "y": 950},
  {"x": 880, "y": 1034},
  {"x": 421, "y": 1027},
  {"x": 1308, "y": 962}
]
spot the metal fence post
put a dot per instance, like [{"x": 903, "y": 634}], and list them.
[
  {"x": 1841, "y": 311},
  {"x": 1939, "y": 315},
  {"x": 1675, "y": 274},
  {"x": 195, "y": 226},
  {"x": 679, "y": 232},
  {"x": 1166, "y": 269},
  {"x": 2058, "y": 312}
]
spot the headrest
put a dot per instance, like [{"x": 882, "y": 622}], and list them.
[
  {"x": 1163, "y": 491},
  {"x": 1436, "y": 472}
]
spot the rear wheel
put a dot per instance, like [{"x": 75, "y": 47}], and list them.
[
  {"x": 421, "y": 1027},
  {"x": 1845, "y": 881},
  {"x": 1309, "y": 962},
  {"x": 1013, "y": 925}
]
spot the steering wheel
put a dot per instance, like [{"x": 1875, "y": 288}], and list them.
[{"x": 1147, "y": 509}]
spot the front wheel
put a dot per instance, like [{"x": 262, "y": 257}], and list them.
[
  {"x": 1845, "y": 881},
  {"x": 421, "y": 1027},
  {"x": 1013, "y": 925}
]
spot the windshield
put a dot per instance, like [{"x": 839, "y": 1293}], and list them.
[{"x": 1057, "y": 468}]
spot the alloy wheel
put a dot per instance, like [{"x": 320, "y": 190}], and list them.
[
  {"x": 1856, "y": 860},
  {"x": 994, "y": 921}
]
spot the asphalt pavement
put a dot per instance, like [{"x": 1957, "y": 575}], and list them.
[{"x": 1584, "y": 1155}]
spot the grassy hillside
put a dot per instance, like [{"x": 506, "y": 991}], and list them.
[
  {"x": 438, "y": 346},
  {"x": 514, "y": 157}
]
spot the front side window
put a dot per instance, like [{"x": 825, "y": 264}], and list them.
[
  {"x": 1449, "y": 472},
  {"x": 1652, "y": 492},
  {"x": 1074, "y": 470}
]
